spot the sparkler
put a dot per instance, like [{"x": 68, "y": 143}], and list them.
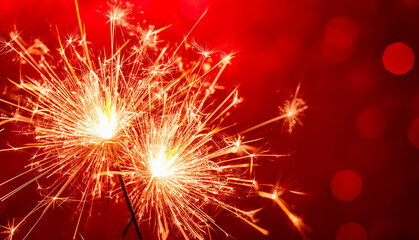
[
  {"x": 180, "y": 163},
  {"x": 150, "y": 122},
  {"x": 177, "y": 167},
  {"x": 79, "y": 117}
]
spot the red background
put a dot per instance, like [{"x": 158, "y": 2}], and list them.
[{"x": 361, "y": 116}]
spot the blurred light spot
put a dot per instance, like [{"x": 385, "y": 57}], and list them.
[
  {"x": 413, "y": 133},
  {"x": 372, "y": 123},
  {"x": 341, "y": 32},
  {"x": 351, "y": 231},
  {"x": 346, "y": 185},
  {"x": 398, "y": 58},
  {"x": 193, "y": 9},
  {"x": 383, "y": 229}
]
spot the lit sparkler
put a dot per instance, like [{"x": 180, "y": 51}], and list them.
[
  {"x": 147, "y": 121},
  {"x": 179, "y": 165},
  {"x": 182, "y": 161},
  {"x": 79, "y": 116}
]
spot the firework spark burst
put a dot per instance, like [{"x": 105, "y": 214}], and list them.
[
  {"x": 179, "y": 165},
  {"x": 141, "y": 112}
]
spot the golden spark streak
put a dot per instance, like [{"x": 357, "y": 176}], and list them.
[{"x": 297, "y": 222}]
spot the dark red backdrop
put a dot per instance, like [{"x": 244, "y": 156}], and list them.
[{"x": 361, "y": 116}]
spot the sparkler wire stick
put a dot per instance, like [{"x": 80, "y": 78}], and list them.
[
  {"x": 131, "y": 210},
  {"x": 126, "y": 228},
  {"x": 124, "y": 190}
]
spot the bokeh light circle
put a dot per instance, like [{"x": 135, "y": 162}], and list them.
[
  {"x": 341, "y": 32},
  {"x": 346, "y": 185},
  {"x": 372, "y": 123},
  {"x": 413, "y": 133},
  {"x": 398, "y": 58},
  {"x": 351, "y": 231}
]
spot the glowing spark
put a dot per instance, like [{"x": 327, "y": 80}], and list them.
[
  {"x": 297, "y": 222},
  {"x": 292, "y": 110},
  {"x": 119, "y": 14},
  {"x": 9, "y": 230}
]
